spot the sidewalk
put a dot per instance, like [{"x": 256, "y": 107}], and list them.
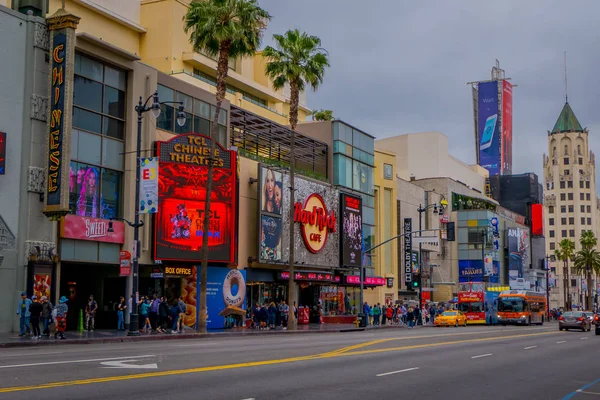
[{"x": 8, "y": 340}]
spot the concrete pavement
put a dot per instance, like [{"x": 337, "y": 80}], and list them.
[{"x": 447, "y": 363}]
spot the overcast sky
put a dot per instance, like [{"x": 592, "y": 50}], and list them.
[{"x": 401, "y": 66}]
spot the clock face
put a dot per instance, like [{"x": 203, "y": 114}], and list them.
[{"x": 387, "y": 171}]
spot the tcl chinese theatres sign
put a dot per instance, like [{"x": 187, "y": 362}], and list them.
[
  {"x": 316, "y": 222},
  {"x": 94, "y": 229}
]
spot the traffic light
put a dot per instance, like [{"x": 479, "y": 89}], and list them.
[
  {"x": 415, "y": 282},
  {"x": 450, "y": 231}
]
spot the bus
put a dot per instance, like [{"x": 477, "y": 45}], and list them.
[
  {"x": 471, "y": 301},
  {"x": 521, "y": 307}
]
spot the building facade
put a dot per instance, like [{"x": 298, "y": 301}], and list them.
[{"x": 570, "y": 201}]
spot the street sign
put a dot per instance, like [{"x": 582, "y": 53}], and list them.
[{"x": 124, "y": 263}]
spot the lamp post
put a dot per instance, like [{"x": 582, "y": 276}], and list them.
[
  {"x": 547, "y": 268},
  {"x": 141, "y": 108},
  {"x": 421, "y": 210}
]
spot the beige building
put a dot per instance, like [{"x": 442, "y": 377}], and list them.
[{"x": 571, "y": 205}]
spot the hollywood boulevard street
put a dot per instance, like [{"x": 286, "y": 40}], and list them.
[{"x": 427, "y": 363}]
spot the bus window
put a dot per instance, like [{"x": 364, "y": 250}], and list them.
[
  {"x": 510, "y": 304},
  {"x": 478, "y": 287}
]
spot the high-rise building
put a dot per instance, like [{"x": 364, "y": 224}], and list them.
[{"x": 570, "y": 201}]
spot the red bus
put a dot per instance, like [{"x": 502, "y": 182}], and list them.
[{"x": 471, "y": 301}]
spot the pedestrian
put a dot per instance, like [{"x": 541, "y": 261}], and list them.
[
  {"x": 376, "y": 314},
  {"x": 24, "y": 315},
  {"x": 410, "y": 317},
  {"x": 163, "y": 315},
  {"x": 121, "y": 307},
  {"x": 145, "y": 315},
  {"x": 46, "y": 316},
  {"x": 256, "y": 316},
  {"x": 61, "y": 311},
  {"x": 272, "y": 312},
  {"x": 175, "y": 316},
  {"x": 35, "y": 311},
  {"x": 153, "y": 315},
  {"x": 417, "y": 316},
  {"x": 90, "y": 313},
  {"x": 284, "y": 310},
  {"x": 404, "y": 315},
  {"x": 182, "y": 309},
  {"x": 347, "y": 307},
  {"x": 264, "y": 316},
  {"x": 390, "y": 314},
  {"x": 383, "y": 314}
]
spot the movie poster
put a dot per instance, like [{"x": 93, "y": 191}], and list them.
[
  {"x": 271, "y": 190},
  {"x": 270, "y": 238},
  {"x": 351, "y": 212},
  {"x": 41, "y": 284}
]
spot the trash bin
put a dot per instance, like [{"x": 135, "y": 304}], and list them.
[{"x": 362, "y": 321}]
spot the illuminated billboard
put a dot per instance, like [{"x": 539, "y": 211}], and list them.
[
  {"x": 507, "y": 128},
  {"x": 183, "y": 174},
  {"x": 351, "y": 232},
  {"x": 518, "y": 253},
  {"x": 488, "y": 127}
]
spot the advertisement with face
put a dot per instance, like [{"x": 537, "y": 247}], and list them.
[
  {"x": 351, "y": 212},
  {"x": 488, "y": 128},
  {"x": 518, "y": 253},
  {"x": 271, "y": 190},
  {"x": 507, "y": 94},
  {"x": 182, "y": 180},
  {"x": 270, "y": 238}
]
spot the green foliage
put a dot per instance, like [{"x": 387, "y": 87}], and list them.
[
  {"x": 322, "y": 115},
  {"x": 587, "y": 260},
  {"x": 281, "y": 164},
  {"x": 565, "y": 251},
  {"x": 463, "y": 202}
]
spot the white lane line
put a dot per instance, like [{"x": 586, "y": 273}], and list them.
[
  {"x": 530, "y": 347},
  {"x": 31, "y": 354},
  {"x": 73, "y": 361},
  {"x": 397, "y": 372},
  {"x": 482, "y": 355},
  {"x": 584, "y": 338},
  {"x": 584, "y": 392},
  {"x": 562, "y": 341}
]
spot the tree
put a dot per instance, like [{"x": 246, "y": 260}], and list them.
[
  {"x": 298, "y": 61},
  {"x": 564, "y": 253},
  {"x": 587, "y": 260},
  {"x": 222, "y": 29},
  {"x": 322, "y": 115}
]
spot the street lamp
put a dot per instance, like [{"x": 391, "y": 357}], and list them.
[
  {"x": 437, "y": 209},
  {"x": 141, "y": 108},
  {"x": 547, "y": 269}
]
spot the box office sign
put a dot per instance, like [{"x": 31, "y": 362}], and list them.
[{"x": 178, "y": 271}]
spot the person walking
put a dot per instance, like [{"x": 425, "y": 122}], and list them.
[
  {"x": 90, "y": 313},
  {"x": 174, "y": 310},
  {"x": 284, "y": 309},
  {"x": 35, "y": 311},
  {"x": 145, "y": 315},
  {"x": 180, "y": 321},
  {"x": 383, "y": 314},
  {"x": 163, "y": 315},
  {"x": 61, "y": 311},
  {"x": 272, "y": 312},
  {"x": 121, "y": 307},
  {"x": 376, "y": 314},
  {"x": 46, "y": 316},
  {"x": 390, "y": 314},
  {"x": 24, "y": 315},
  {"x": 410, "y": 317},
  {"x": 153, "y": 315},
  {"x": 366, "y": 312}
]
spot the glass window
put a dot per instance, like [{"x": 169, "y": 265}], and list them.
[
  {"x": 201, "y": 125},
  {"x": 582, "y": 220},
  {"x": 582, "y": 208},
  {"x": 222, "y": 115},
  {"x": 89, "y": 68},
  {"x": 571, "y": 208},
  {"x": 587, "y": 184},
  {"x": 580, "y": 184},
  {"x": 571, "y": 220},
  {"x": 222, "y": 138},
  {"x": 551, "y": 209},
  {"x": 587, "y": 196},
  {"x": 563, "y": 209},
  {"x": 551, "y": 234},
  {"x": 368, "y": 241},
  {"x": 165, "y": 120},
  {"x": 570, "y": 196},
  {"x": 581, "y": 196},
  {"x": 87, "y": 120},
  {"x": 563, "y": 220},
  {"x": 570, "y": 185},
  {"x": 562, "y": 184},
  {"x": 336, "y": 131},
  {"x": 115, "y": 77},
  {"x": 187, "y": 127},
  {"x": 185, "y": 99},
  {"x": 165, "y": 93},
  {"x": 113, "y": 128},
  {"x": 589, "y": 221},
  {"x": 571, "y": 232},
  {"x": 88, "y": 147},
  {"x": 111, "y": 189},
  {"x": 563, "y": 197},
  {"x": 368, "y": 215},
  {"x": 87, "y": 93},
  {"x": 202, "y": 109},
  {"x": 552, "y": 245},
  {"x": 589, "y": 209},
  {"x": 551, "y": 221},
  {"x": 114, "y": 102},
  {"x": 356, "y": 138},
  {"x": 563, "y": 233},
  {"x": 112, "y": 153}
]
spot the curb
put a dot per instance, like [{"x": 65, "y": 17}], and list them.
[{"x": 185, "y": 336}]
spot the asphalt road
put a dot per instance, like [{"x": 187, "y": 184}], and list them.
[{"x": 428, "y": 363}]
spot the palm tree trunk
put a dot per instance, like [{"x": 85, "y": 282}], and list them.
[
  {"x": 294, "y": 98},
  {"x": 222, "y": 69},
  {"x": 589, "y": 289},
  {"x": 568, "y": 286},
  {"x": 565, "y": 279}
]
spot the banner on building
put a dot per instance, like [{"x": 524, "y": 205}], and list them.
[
  {"x": 518, "y": 253},
  {"x": 488, "y": 264},
  {"x": 351, "y": 232},
  {"x": 148, "y": 185},
  {"x": 2, "y": 153},
  {"x": 124, "y": 263},
  {"x": 506, "y": 153},
  {"x": 488, "y": 123},
  {"x": 408, "y": 267}
]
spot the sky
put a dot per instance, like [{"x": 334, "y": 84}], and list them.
[{"x": 400, "y": 66}]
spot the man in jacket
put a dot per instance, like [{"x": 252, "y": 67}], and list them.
[
  {"x": 182, "y": 308},
  {"x": 154, "y": 312},
  {"x": 24, "y": 314},
  {"x": 46, "y": 315},
  {"x": 366, "y": 312},
  {"x": 90, "y": 313}
]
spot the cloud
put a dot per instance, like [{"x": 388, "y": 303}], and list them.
[{"x": 401, "y": 66}]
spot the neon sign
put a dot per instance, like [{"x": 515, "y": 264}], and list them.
[{"x": 316, "y": 222}]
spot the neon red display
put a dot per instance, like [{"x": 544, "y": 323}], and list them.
[{"x": 537, "y": 219}]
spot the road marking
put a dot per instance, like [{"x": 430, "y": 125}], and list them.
[
  {"x": 249, "y": 364},
  {"x": 72, "y": 361},
  {"x": 123, "y": 364},
  {"x": 482, "y": 355},
  {"x": 31, "y": 354},
  {"x": 360, "y": 345},
  {"x": 562, "y": 341},
  {"x": 584, "y": 392},
  {"x": 530, "y": 347},
  {"x": 584, "y": 338},
  {"x": 398, "y": 372}
]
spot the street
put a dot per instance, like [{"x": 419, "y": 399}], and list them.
[{"x": 445, "y": 363}]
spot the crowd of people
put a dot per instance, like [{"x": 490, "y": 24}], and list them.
[
  {"x": 32, "y": 312},
  {"x": 270, "y": 315},
  {"x": 400, "y": 314}
]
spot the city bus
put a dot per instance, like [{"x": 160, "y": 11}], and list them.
[
  {"x": 471, "y": 301},
  {"x": 521, "y": 307}
]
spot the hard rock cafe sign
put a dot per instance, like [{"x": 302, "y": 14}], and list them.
[{"x": 316, "y": 222}]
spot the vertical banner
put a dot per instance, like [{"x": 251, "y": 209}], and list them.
[
  {"x": 518, "y": 254},
  {"x": 270, "y": 198},
  {"x": 488, "y": 265},
  {"x": 124, "y": 263},
  {"x": 351, "y": 237},
  {"x": 488, "y": 127},
  {"x": 2, "y": 153},
  {"x": 61, "y": 26},
  {"x": 507, "y": 90},
  {"x": 408, "y": 267},
  {"x": 148, "y": 185}
]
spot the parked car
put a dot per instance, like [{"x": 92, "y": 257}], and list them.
[{"x": 574, "y": 320}]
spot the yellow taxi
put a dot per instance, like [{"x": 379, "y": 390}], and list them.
[{"x": 451, "y": 318}]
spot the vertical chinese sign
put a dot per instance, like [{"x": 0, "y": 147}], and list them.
[{"x": 62, "y": 27}]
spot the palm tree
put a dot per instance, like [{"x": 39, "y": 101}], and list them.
[
  {"x": 587, "y": 260},
  {"x": 564, "y": 253},
  {"x": 222, "y": 29},
  {"x": 298, "y": 61},
  {"x": 322, "y": 115}
]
